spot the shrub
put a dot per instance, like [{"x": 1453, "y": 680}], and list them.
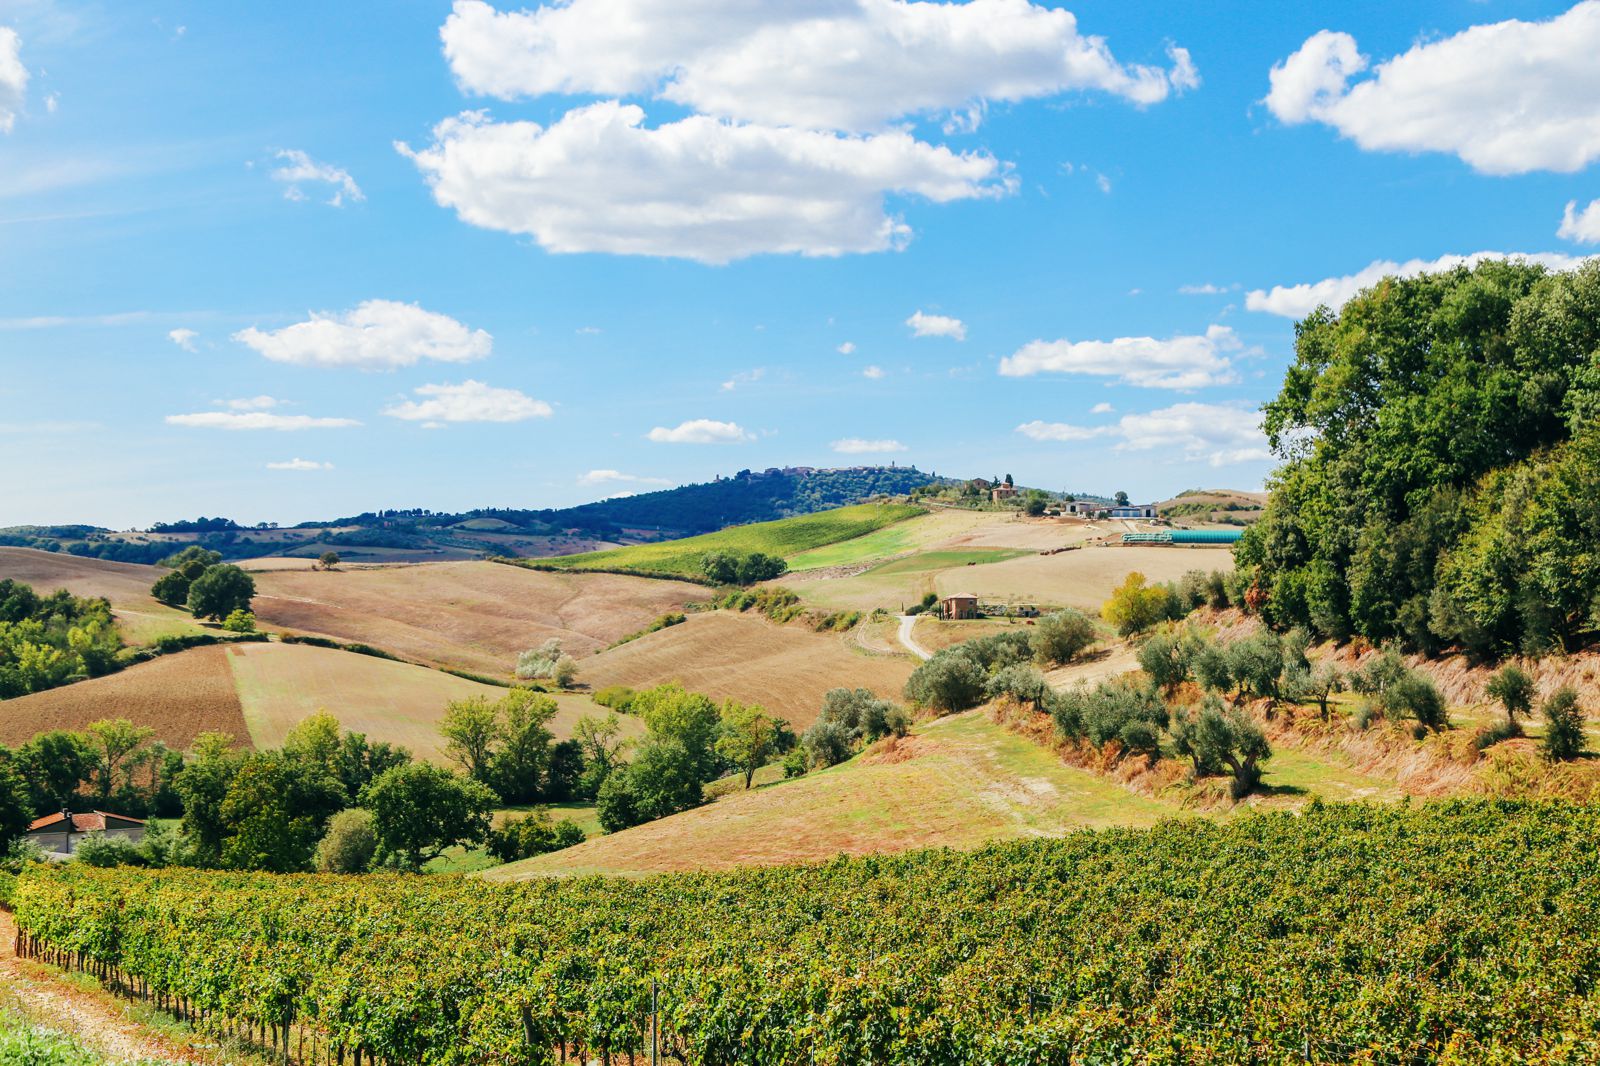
[
  {"x": 547, "y": 662},
  {"x": 1022, "y": 683},
  {"x": 617, "y": 697},
  {"x": 826, "y": 744},
  {"x": 950, "y": 681},
  {"x": 349, "y": 845},
  {"x": 1563, "y": 724},
  {"x": 1314, "y": 684},
  {"x": 1131, "y": 715},
  {"x": 1256, "y": 663},
  {"x": 617, "y": 804},
  {"x": 1415, "y": 696},
  {"x": 1513, "y": 689},
  {"x": 97, "y": 849},
  {"x": 794, "y": 763},
  {"x": 1059, "y": 637},
  {"x": 1165, "y": 658},
  {"x": 533, "y": 834},
  {"x": 240, "y": 622}
]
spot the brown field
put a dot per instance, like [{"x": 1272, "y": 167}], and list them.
[
  {"x": 785, "y": 669},
  {"x": 279, "y": 685},
  {"x": 180, "y": 696},
  {"x": 958, "y": 782},
  {"x": 473, "y": 615},
  {"x": 1082, "y": 578},
  {"x": 126, "y": 585}
]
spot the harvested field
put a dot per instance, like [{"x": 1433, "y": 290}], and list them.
[
  {"x": 894, "y": 584},
  {"x": 786, "y": 669},
  {"x": 179, "y": 695},
  {"x": 958, "y": 782},
  {"x": 1082, "y": 579},
  {"x": 279, "y": 685},
  {"x": 126, "y": 585},
  {"x": 474, "y": 616}
]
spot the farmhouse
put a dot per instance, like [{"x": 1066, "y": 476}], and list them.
[
  {"x": 60, "y": 834},
  {"x": 958, "y": 606},
  {"x": 1094, "y": 509},
  {"x": 1003, "y": 492}
]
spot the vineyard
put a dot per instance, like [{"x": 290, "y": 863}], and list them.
[{"x": 1460, "y": 932}]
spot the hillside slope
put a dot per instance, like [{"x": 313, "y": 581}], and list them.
[
  {"x": 125, "y": 585},
  {"x": 958, "y": 782},
  {"x": 786, "y": 669}
]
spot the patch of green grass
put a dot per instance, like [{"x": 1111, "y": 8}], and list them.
[
  {"x": 925, "y": 562},
  {"x": 880, "y": 544},
  {"x": 785, "y": 537},
  {"x": 471, "y": 860}
]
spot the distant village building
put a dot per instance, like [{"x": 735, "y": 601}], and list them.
[
  {"x": 59, "y": 834},
  {"x": 958, "y": 606},
  {"x": 1003, "y": 492},
  {"x": 1092, "y": 509}
]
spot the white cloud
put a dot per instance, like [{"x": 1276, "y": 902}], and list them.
[
  {"x": 937, "y": 326},
  {"x": 1506, "y": 97},
  {"x": 873, "y": 372},
  {"x": 701, "y": 431},
  {"x": 858, "y": 446},
  {"x": 183, "y": 338},
  {"x": 847, "y": 348},
  {"x": 599, "y": 180},
  {"x": 1297, "y": 301},
  {"x": 240, "y": 420},
  {"x": 251, "y": 403},
  {"x": 300, "y": 464},
  {"x": 300, "y": 167},
  {"x": 743, "y": 377},
  {"x": 588, "y": 330},
  {"x": 13, "y": 78},
  {"x": 1583, "y": 226},
  {"x": 1207, "y": 289},
  {"x": 1101, "y": 409},
  {"x": 611, "y": 477},
  {"x": 377, "y": 335},
  {"x": 470, "y": 401},
  {"x": 1220, "y": 434},
  {"x": 840, "y": 64},
  {"x": 1182, "y": 362}
]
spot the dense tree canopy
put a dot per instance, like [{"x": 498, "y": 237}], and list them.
[{"x": 1442, "y": 466}]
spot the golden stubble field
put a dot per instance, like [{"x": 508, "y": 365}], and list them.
[
  {"x": 470, "y": 615},
  {"x": 744, "y": 657}
]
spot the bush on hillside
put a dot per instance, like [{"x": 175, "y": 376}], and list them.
[
  {"x": 1059, "y": 637},
  {"x": 1563, "y": 724},
  {"x": 350, "y": 844}
]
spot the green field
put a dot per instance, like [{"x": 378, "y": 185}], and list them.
[
  {"x": 786, "y": 537},
  {"x": 927, "y": 562}
]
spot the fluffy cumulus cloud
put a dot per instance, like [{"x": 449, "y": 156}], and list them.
[
  {"x": 937, "y": 326},
  {"x": 859, "y": 446},
  {"x": 300, "y": 169},
  {"x": 1583, "y": 226},
  {"x": 599, "y": 180},
  {"x": 247, "y": 420},
  {"x": 299, "y": 464},
  {"x": 847, "y": 348},
  {"x": 1297, "y": 301},
  {"x": 13, "y": 78},
  {"x": 873, "y": 373},
  {"x": 377, "y": 335},
  {"x": 470, "y": 401},
  {"x": 617, "y": 477},
  {"x": 1184, "y": 362},
  {"x": 1507, "y": 97},
  {"x": 183, "y": 338},
  {"x": 836, "y": 64},
  {"x": 1219, "y": 434},
  {"x": 700, "y": 431}
]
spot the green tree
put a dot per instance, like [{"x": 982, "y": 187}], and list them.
[
  {"x": 1166, "y": 659},
  {"x": 349, "y": 845},
  {"x": 600, "y": 744},
  {"x": 747, "y": 739},
  {"x": 172, "y": 589},
  {"x": 274, "y": 812},
  {"x": 1314, "y": 684},
  {"x": 116, "y": 744},
  {"x": 617, "y": 804},
  {"x": 1512, "y": 688},
  {"x": 1059, "y": 637},
  {"x": 56, "y": 764},
  {"x": 315, "y": 741},
  {"x": 1135, "y": 605},
  {"x": 1215, "y": 739},
  {"x": 360, "y": 761},
  {"x": 239, "y": 622},
  {"x": 419, "y": 810},
  {"x": 1121, "y": 499},
  {"x": 220, "y": 591},
  {"x": 203, "y": 787},
  {"x": 521, "y": 767},
  {"x": 1414, "y": 696},
  {"x": 950, "y": 681},
  {"x": 472, "y": 730},
  {"x": 328, "y": 561},
  {"x": 1563, "y": 724},
  {"x": 16, "y": 811}
]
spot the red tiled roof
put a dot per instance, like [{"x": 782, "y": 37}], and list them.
[{"x": 88, "y": 822}]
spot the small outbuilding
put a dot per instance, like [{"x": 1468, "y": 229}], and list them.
[
  {"x": 958, "y": 606},
  {"x": 60, "y": 834}
]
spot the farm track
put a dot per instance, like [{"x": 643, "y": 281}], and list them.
[
  {"x": 91, "y": 1015},
  {"x": 908, "y": 622}
]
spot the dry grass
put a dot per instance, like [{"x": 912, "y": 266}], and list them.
[
  {"x": 958, "y": 782},
  {"x": 786, "y": 669},
  {"x": 279, "y": 685},
  {"x": 126, "y": 585},
  {"x": 473, "y": 615},
  {"x": 180, "y": 696},
  {"x": 1082, "y": 579}
]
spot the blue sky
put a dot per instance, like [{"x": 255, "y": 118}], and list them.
[{"x": 254, "y": 262}]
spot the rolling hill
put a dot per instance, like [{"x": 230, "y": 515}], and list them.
[{"x": 126, "y": 585}]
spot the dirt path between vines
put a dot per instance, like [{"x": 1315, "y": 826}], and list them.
[{"x": 95, "y": 1017}]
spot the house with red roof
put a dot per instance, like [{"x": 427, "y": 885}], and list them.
[{"x": 59, "y": 834}]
